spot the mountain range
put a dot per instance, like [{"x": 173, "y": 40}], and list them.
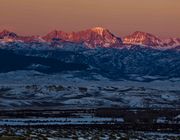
[
  {"x": 92, "y": 51},
  {"x": 92, "y": 38}
]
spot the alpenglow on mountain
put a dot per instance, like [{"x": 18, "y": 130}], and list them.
[
  {"x": 92, "y": 38},
  {"x": 143, "y": 38},
  {"x": 92, "y": 51}
]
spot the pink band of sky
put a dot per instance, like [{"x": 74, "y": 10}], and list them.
[{"x": 38, "y": 17}]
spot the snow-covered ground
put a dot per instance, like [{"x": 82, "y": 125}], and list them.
[
  {"x": 60, "y": 121},
  {"x": 27, "y": 89}
]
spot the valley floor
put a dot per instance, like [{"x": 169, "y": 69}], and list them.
[
  {"x": 72, "y": 106},
  {"x": 81, "y": 134}
]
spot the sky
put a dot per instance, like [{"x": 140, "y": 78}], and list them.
[{"x": 122, "y": 17}]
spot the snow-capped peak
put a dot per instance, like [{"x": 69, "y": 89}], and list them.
[
  {"x": 94, "y": 37},
  {"x": 143, "y": 38},
  {"x": 6, "y": 33},
  {"x": 172, "y": 42},
  {"x": 99, "y": 30}
]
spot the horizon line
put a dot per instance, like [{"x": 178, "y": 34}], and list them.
[{"x": 10, "y": 30}]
